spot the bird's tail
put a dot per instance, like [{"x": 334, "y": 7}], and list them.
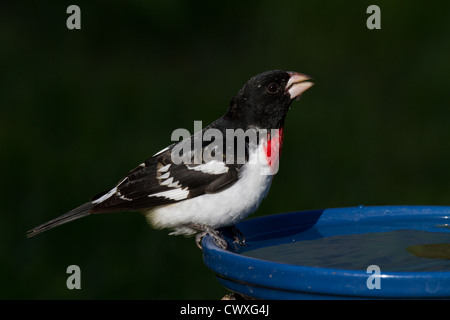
[{"x": 77, "y": 213}]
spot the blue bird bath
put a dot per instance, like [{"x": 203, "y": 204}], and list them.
[{"x": 380, "y": 252}]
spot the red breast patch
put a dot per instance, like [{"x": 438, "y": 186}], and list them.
[{"x": 274, "y": 145}]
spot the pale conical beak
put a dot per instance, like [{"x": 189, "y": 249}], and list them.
[{"x": 297, "y": 84}]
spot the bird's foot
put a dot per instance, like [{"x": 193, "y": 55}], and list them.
[
  {"x": 204, "y": 230},
  {"x": 238, "y": 236}
]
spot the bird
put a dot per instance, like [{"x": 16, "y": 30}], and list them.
[{"x": 200, "y": 197}]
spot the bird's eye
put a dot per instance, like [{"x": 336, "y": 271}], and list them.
[{"x": 273, "y": 88}]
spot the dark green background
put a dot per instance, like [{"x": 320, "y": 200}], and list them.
[{"x": 79, "y": 109}]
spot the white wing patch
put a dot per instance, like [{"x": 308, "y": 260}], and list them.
[
  {"x": 106, "y": 196},
  {"x": 175, "y": 194},
  {"x": 164, "y": 176},
  {"x": 111, "y": 193},
  {"x": 211, "y": 167},
  {"x": 171, "y": 184},
  {"x": 159, "y": 152},
  {"x": 164, "y": 169},
  {"x": 123, "y": 197},
  {"x": 164, "y": 179}
]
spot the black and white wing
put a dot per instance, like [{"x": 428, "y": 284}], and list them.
[
  {"x": 159, "y": 181},
  {"x": 155, "y": 182}
]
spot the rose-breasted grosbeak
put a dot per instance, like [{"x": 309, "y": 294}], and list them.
[{"x": 201, "y": 197}]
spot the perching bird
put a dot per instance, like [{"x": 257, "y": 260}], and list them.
[{"x": 204, "y": 195}]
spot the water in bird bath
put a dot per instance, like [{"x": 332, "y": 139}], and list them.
[{"x": 396, "y": 250}]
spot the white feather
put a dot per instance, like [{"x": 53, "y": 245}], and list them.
[
  {"x": 174, "y": 185},
  {"x": 164, "y": 176},
  {"x": 166, "y": 182},
  {"x": 105, "y": 196},
  {"x": 175, "y": 194},
  {"x": 125, "y": 198},
  {"x": 165, "y": 168},
  {"x": 161, "y": 151},
  {"x": 211, "y": 167}
]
